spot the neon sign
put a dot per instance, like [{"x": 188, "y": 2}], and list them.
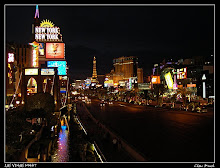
[
  {"x": 46, "y": 71},
  {"x": 54, "y": 50},
  {"x": 31, "y": 71},
  {"x": 11, "y": 57},
  {"x": 155, "y": 80},
  {"x": 169, "y": 80},
  {"x": 60, "y": 64},
  {"x": 47, "y": 32}
]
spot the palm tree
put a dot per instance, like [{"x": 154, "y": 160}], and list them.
[
  {"x": 173, "y": 100},
  {"x": 159, "y": 90},
  {"x": 184, "y": 92}
]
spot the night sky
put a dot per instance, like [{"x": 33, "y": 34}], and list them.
[{"x": 151, "y": 33}]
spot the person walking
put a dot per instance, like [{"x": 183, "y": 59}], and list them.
[{"x": 114, "y": 141}]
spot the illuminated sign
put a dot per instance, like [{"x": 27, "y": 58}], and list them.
[
  {"x": 10, "y": 73},
  {"x": 41, "y": 49},
  {"x": 155, "y": 80},
  {"x": 11, "y": 57},
  {"x": 132, "y": 80},
  {"x": 35, "y": 60},
  {"x": 31, "y": 71},
  {"x": 108, "y": 83},
  {"x": 47, "y": 32},
  {"x": 191, "y": 85},
  {"x": 46, "y": 23},
  {"x": 121, "y": 83},
  {"x": 144, "y": 86},
  {"x": 54, "y": 50},
  {"x": 180, "y": 86},
  {"x": 182, "y": 73},
  {"x": 62, "y": 90},
  {"x": 47, "y": 71},
  {"x": 35, "y": 53},
  {"x": 62, "y": 77},
  {"x": 169, "y": 80},
  {"x": 60, "y": 64},
  {"x": 87, "y": 82}
]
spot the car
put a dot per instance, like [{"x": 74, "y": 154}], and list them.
[
  {"x": 102, "y": 104},
  {"x": 110, "y": 102},
  {"x": 204, "y": 109},
  {"x": 201, "y": 109}
]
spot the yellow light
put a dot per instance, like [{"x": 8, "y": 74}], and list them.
[
  {"x": 109, "y": 81},
  {"x": 169, "y": 80},
  {"x": 46, "y": 23},
  {"x": 155, "y": 80},
  {"x": 35, "y": 58}
]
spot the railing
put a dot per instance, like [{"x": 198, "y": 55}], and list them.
[
  {"x": 124, "y": 145},
  {"x": 102, "y": 156}
]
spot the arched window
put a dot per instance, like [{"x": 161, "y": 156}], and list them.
[{"x": 31, "y": 86}]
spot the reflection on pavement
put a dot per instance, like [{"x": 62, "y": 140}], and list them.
[{"x": 62, "y": 152}]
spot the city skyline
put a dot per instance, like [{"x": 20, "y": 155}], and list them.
[
  {"x": 108, "y": 32},
  {"x": 112, "y": 83}
]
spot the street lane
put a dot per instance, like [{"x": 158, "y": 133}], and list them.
[{"x": 161, "y": 134}]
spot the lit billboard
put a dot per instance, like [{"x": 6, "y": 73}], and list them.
[
  {"x": 191, "y": 85},
  {"x": 155, "y": 80},
  {"x": 62, "y": 77},
  {"x": 62, "y": 90},
  {"x": 47, "y": 71},
  {"x": 87, "y": 82},
  {"x": 31, "y": 71},
  {"x": 182, "y": 73},
  {"x": 54, "y": 50},
  {"x": 144, "y": 86},
  {"x": 108, "y": 83},
  {"x": 132, "y": 80},
  {"x": 60, "y": 64},
  {"x": 41, "y": 49},
  {"x": 169, "y": 80},
  {"x": 11, "y": 57}
]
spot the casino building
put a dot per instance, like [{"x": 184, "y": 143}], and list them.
[
  {"x": 40, "y": 65},
  {"x": 125, "y": 73}
]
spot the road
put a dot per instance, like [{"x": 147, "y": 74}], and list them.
[{"x": 164, "y": 135}]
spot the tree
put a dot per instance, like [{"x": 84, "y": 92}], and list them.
[
  {"x": 41, "y": 101},
  {"x": 183, "y": 92},
  {"x": 159, "y": 90},
  {"x": 173, "y": 99}
]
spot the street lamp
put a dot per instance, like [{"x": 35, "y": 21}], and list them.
[{"x": 204, "y": 88}]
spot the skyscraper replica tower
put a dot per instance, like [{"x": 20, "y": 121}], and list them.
[
  {"x": 94, "y": 73},
  {"x": 47, "y": 70}
]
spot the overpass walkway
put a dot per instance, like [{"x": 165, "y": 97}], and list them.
[{"x": 112, "y": 152}]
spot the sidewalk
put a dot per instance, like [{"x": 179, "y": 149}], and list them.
[{"x": 112, "y": 153}]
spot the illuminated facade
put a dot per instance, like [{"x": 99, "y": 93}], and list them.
[
  {"x": 47, "y": 68},
  {"x": 124, "y": 68},
  {"x": 39, "y": 66},
  {"x": 9, "y": 72},
  {"x": 140, "y": 76},
  {"x": 94, "y": 72}
]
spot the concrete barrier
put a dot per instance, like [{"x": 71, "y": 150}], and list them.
[{"x": 124, "y": 145}]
